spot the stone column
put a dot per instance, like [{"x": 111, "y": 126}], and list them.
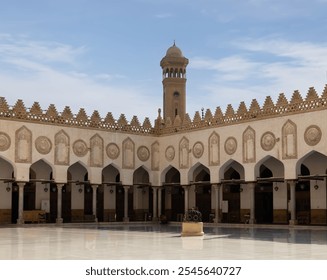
[
  {"x": 59, "y": 219},
  {"x": 186, "y": 190},
  {"x": 126, "y": 218},
  {"x": 159, "y": 201},
  {"x": 217, "y": 188},
  {"x": 155, "y": 204},
  {"x": 20, "y": 219},
  {"x": 94, "y": 202},
  {"x": 293, "y": 220},
  {"x": 251, "y": 187}
]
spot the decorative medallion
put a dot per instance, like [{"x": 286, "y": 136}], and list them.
[
  {"x": 230, "y": 145},
  {"x": 80, "y": 148},
  {"x": 112, "y": 151},
  {"x": 170, "y": 153},
  {"x": 143, "y": 153},
  {"x": 4, "y": 141},
  {"x": 268, "y": 141},
  {"x": 43, "y": 145},
  {"x": 312, "y": 135},
  {"x": 198, "y": 149}
]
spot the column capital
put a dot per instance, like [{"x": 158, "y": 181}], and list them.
[
  {"x": 186, "y": 187},
  {"x": 21, "y": 183},
  {"x": 216, "y": 185},
  {"x": 291, "y": 181}
]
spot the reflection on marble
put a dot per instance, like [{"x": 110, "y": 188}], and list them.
[{"x": 154, "y": 241}]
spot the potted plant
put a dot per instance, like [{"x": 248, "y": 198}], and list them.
[{"x": 192, "y": 224}]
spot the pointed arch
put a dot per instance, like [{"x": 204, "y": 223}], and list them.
[
  {"x": 273, "y": 164},
  {"x": 7, "y": 168},
  {"x": 41, "y": 169},
  {"x": 141, "y": 176},
  {"x": 110, "y": 173},
  {"x": 198, "y": 171},
  {"x": 315, "y": 161},
  {"x": 231, "y": 164},
  {"x": 201, "y": 191},
  {"x": 170, "y": 175}
]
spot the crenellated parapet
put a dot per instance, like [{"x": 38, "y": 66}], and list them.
[
  {"x": 51, "y": 116},
  {"x": 297, "y": 105}
]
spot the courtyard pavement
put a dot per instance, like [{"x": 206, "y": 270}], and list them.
[{"x": 149, "y": 241}]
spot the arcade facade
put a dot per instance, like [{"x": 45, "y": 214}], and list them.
[{"x": 264, "y": 165}]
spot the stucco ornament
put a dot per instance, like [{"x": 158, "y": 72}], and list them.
[
  {"x": 198, "y": 149},
  {"x": 4, "y": 141},
  {"x": 112, "y": 151},
  {"x": 268, "y": 141},
  {"x": 230, "y": 145},
  {"x": 43, "y": 145},
  {"x": 170, "y": 153},
  {"x": 80, "y": 148},
  {"x": 143, "y": 153},
  {"x": 312, "y": 135}
]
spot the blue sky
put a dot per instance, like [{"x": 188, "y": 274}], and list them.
[{"x": 104, "y": 55}]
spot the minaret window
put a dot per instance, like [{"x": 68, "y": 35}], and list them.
[{"x": 176, "y": 94}]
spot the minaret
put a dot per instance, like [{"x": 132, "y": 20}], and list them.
[{"x": 174, "y": 83}]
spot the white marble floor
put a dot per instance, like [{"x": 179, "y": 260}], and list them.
[{"x": 155, "y": 242}]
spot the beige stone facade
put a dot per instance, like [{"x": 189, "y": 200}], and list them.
[{"x": 263, "y": 164}]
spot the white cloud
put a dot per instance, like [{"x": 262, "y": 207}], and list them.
[
  {"x": 21, "y": 46},
  {"x": 263, "y": 67},
  {"x": 230, "y": 68},
  {"x": 37, "y": 77}
]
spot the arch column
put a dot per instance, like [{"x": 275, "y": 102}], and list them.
[
  {"x": 59, "y": 219},
  {"x": 186, "y": 196},
  {"x": 21, "y": 186},
  {"x": 126, "y": 218},
  {"x": 292, "y": 184},
  {"x": 217, "y": 188},
  {"x": 159, "y": 201},
  {"x": 155, "y": 204},
  {"x": 94, "y": 202},
  {"x": 251, "y": 187}
]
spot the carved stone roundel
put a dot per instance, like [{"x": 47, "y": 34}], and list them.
[
  {"x": 312, "y": 135},
  {"x": 112, "y": 151},
  {"x": 4, "y": 141},
  {"x": 198, "y": 149},
  {"x": 80, "y": 148},
  {"x": 43, "y": 145},
  {"x": 230, "y": 145},
  {"x": 170, "y": 153},
  {"x": 268, "y": 141},
  {"x": 143, "y": 153}
]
